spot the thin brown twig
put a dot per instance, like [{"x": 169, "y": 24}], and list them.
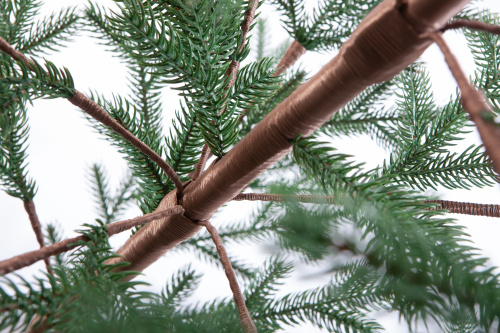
[
  {"x": 474, "y": 103},
  {"x": 246, "y": 320},
  {"x": 200, "y": 166},
  {"x": 468, "y": 208},
  {"x": 320, "y": 199},
  {"x": 29, "y": 206},
  {"x": 98, "y": 113},
  {"x": 474, "y": 25},
  {"x": 455, "y": 207},
  {"x": 30, "y": 258},
  {"x": 292, "y": 54}
]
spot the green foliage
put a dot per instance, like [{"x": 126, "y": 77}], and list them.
[
  {"x": 110, "y": 206},
  {"x": 328, "y": 26},
  {"x": 425, "y": 132},
  {"x": 367, "y": 114},
  {"x": 49, "y": 33},
  {"x": 14, "y": 131},
  {"x": 153, "y": 184},
  {"x": 256, "y": 112},
  {"x": 185, "y": 44},
  {"x": 316, "y": 305}
]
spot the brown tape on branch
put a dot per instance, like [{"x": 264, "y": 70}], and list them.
[
  {"x": 292, "y": 54},
  {"x": 383, "y": 45},
  {"x": 156, "y": 238}
]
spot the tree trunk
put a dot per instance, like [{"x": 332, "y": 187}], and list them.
[{"x": 386, "y": 42}]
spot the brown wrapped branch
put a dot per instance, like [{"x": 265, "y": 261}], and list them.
[
  {"x": 468, "y": 208},
  {"x": 30, "y": 258},
  {"x": 474, "y": 25},
  {"x": 455, "y": 207},
  {"x": 475, "y": 104},
  {"x": 29, "y": 206},
  {"x": 319, "y": 199},
  {"x": 246, "y": 320},
  {"x": 385, "y": 43},
  {"x": 292, "y": 54},
  {"x": 98, "y": 113}
]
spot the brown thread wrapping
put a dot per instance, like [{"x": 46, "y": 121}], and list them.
[
  {"x": 292, "y": 54},
  {"x": 29, "y": 206},
  {"x": 475, "y": 104},
  {"x": 318, "y": 199},
  {"x": 30, "y": 258},
  {"x": 154, "y": 239},
  {"x": 245, "y": 26},
  {"x": 382, "y": 45},
  {"x": 467, "y": 208},
  {"x": 246, "y": 320},
  {"x": 15, "y": 54},
  {"x": 430, "y": 15},
  {"x": 474, "y": 25},
  {"x": 200, "y": 165}
]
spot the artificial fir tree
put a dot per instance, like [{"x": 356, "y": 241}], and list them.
[{"x": 257, "y": 123}]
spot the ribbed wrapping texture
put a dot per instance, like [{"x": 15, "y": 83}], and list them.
[
  {"x": 469, "y": 208},
  {"x": 156, "y": 238},
  {"x": 292, "y": 54},
  {"x": 318, "y": 199}
]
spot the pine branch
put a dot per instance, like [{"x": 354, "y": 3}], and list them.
[
  {"x": 475, "y": 105},
  {"x": 152, "y": 182},
  {"x": 110, "y": 206},
  {"x": 245, "y": 318},
  {"x": 230, "y": 75},
  {"x": 29, "y": 258},
  {"x": 49, "y": 33},
  {"x": 96, "y": 112}
]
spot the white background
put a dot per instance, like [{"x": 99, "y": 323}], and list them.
[{"x": 63, "y": 146}]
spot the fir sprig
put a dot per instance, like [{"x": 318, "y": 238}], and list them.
[
  {"x": 425, "y": 133},
  {"x": 39, "y": 80},
  {"x": 328, "y": 26},
  {"x": 152, "y": 183},
  {"x": 49, "y": 33},
  {"x": 14, "y": 132},
  {"x": 366, "y": 114},
  {"x": 201, "y": 66},
  {"x": 110, "y": 206},
  {"x": 330, "y": 307}
]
